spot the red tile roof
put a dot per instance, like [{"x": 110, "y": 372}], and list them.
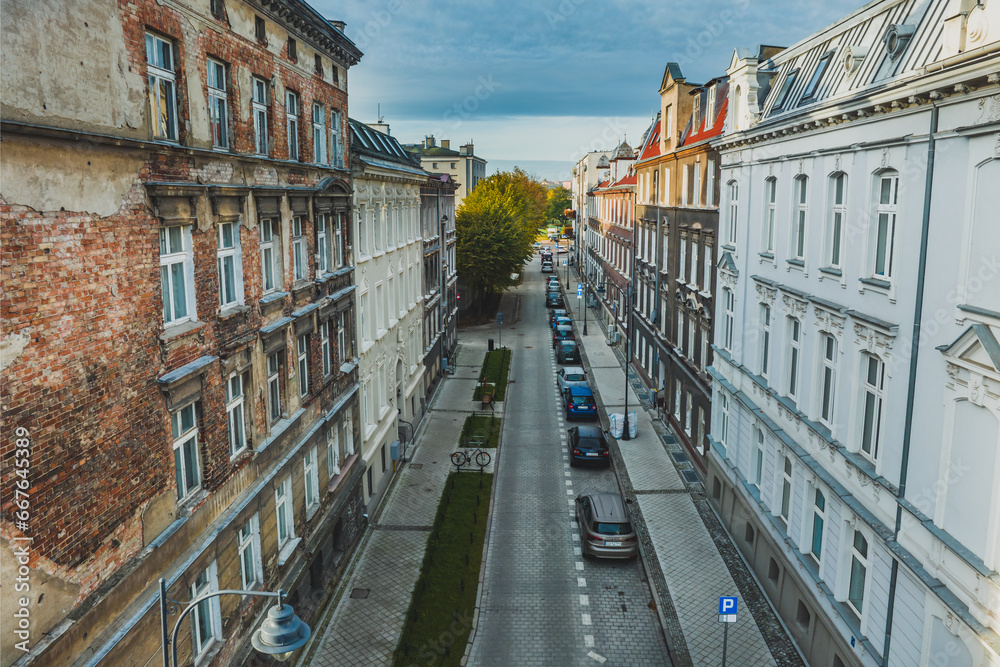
[
  {"x": 652, "y": 147},
  {"x": 704, "y": 130}
]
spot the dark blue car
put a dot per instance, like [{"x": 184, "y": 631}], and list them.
[{"x": 580, "y": 403}]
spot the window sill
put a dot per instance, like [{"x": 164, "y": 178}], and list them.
[
  {"x": 877, "y": 283},
  {"x": 301, "y": 286},
  {"x": 311, "y": 510},
  {"x": 174, "y": 331},
  {"x": 271, "y": 297},
  {"x": 286, "y": 551},
  {"x": 796, "y": 262},
  {"x": 766, "y": 255},
  {"x": 829, "y": 270},
  {"x": 233, "y": 311}
]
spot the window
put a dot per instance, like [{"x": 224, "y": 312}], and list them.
[
  {"x": 176, "y": 275},
  {"x": 338, "y": 248},
  {"x": 218, "y": 104},
  {"x": 349, "y": 436},
  {"x": 270, "y": 255},
  {"x": 162, "y": 86},
  {"x": 206, "y": 618},
  {"x": 230, "y": 266},
  {"x": 379, "y": 220},
  {"x": 696, "y": 169},
  {"x": 765, "y": 338},
  {"x": 786, "y": 489},
  {"x": 217, "y": 8},
  {"x": 801, "y": 212},
  {"x": 299, "y": 251},
  {"x": 838, "y": 213},
  {"x": 311, "y": 478},
  {"x": 770, "y": 191},
  {"x": 819, "y": 517},
  {"x": 694, "y": 263},
  {"x": 829, "y": 379},
  {"x": 677, "y": 400},
  {"x": 696, "y": 112},
  {"x": 685, "y": 182},
  {"x": 259, "y": 29},
  {"x": 293, "y": 51},
  {"x": 728, "y": 322},
  {"x": 318, "y": 64},
  {"x": 734, "y": 209},
  {"x": 381, "y": 313},
  {"x": 337, "y": 153},
  {"x": 184, "y": 429},
  {"x": 322, "y": 243},
  {"x": 794, "y": 347},
  {"x": 365, "y": 316},
  {"x": 292, "y": 116},
  {"x": 786, "y": 85},
  {"x": 342, "y": 350},
  {"x": 873, "y": 394},
  {"x": 332, "y": 450},
  {"x": 258, "y": 106},
  {"x": 707, "y": 265},
  {"x": 710, "y": 106},
  {"x": 274, "y": 386},
  {"x": 283, "y": 509},
  {"x": 302, "y": 345},
  {"x": 237, "y": 420},
  {"x": 859, "y": 572},
  {"x": 710, "y": 181},
  {"x": 319, "y": 134},
  {"x": 758, "y": 459},
  {"x": 248, "y": 547},
  {"x": 367, "y": 416},
  {"x": 390, "y": 238},
  {"x": 682, "y": 261},
  {"x": 324, "y": 335},
  {"x": 885, "y": 225},
  {"x": 391, "y": 304},
  {"x": 817, "y": 75}
]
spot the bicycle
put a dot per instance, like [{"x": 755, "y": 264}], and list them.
[{"x": 465, "y": 456}]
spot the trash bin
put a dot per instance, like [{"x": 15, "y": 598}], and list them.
[{"x": 490, "y": 344}]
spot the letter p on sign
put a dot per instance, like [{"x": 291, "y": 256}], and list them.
[{"x": 727, "y": 609}]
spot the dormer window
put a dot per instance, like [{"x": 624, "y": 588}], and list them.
[
  {"x": 817, "y": 75},
  {"x": 696, "y": 112},
  {"x": 896, "y": 38},
  {"x": 786, "y": 85},
  {"x": 710, "y": 111}
]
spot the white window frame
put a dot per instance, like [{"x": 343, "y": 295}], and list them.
[
  {"x": 770, "y": 213},
  {"x": 828, "y": 378},
  {"x": 685, "y": 180},
  {"x": 162, "y": 87},
  {"x": 274, "y": 388},
  {"x": 248, "y": 544},
  {"x": 230, "y": 263},
  {"x": 794, "y": 356},
  {"x": 800, "y": 219},
  {"x": 677, "y": 399},
  {"x": 757, "y": 466},
  {"x": 302, "y": 356},
  {"x": 322, "y": 244},
  {"x": 187, "y": 456},
  {"x": 682, "y": 260},
  {"x": 270, "y": 255},
  {"x": 349, "y": 436},
  {"x": 696, "y": 182},
  {"x": 319, "y": 133},
  {"x": 818, "y": 523},
  {"x": 218, "y": 103},
  {"x": 710, "y": 183},
  {"x": 838, "y": 218},
  {"x": 381, "y": 310},
  {"x": 333, "y": 450},
  {"x": 708, "y": 267},
  {"x": 728, "y": 321},
  {"x": 765, "y": 339},
  {"x": 284, "y": 512},
  {"x": 326, "y": 345},
  {"x": 336, "y": 150},
  {"x": 886, "y": 214},
  {"x": 258, "y": 109},
  {"x": 734, "y": 211},
  {"x": 177, "y": 275},
  {"x": 785, "y": 497},
  {"x": 872, "y": 401},
  {"x": 310, "y": 478},
  {"x": 339, "y": 254},
  {"x": 365, "y": 318},
  {"x": 695, "y": 253},
  {"x": 235, "y": 415},
  {"x": 858, "y": 562},
  {"x": 206, "y": 582},
  {"x": 342, "y": 336},
  {"x": 300, "y": 256},
  {"x": 292, "y": 124}
]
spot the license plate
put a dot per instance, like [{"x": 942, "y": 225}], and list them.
[
  {"x": 612, "y": 544},
  {"x": 591, "y": 453}
]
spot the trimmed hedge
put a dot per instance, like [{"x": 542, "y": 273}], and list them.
[
  {"x": 496, "y": 367},
  {"x": 481, "y": 425}
]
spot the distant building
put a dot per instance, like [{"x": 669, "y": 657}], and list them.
[
  {"x": 586, "y": 176},
  {"x": 463, "y": 165}
]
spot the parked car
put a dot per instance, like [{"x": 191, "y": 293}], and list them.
[
  {"x": 554, "y": 281},
  {"x": 605, "y": 527},
  {"x": 580, "y": 403},
  {"x": 567, "y": 352},
  {"x": 537, "y": 244},
  {"x": 561, "y": 249},
  {"x": 571, "y": 376},
  {"x": 562, "y": 321},
  {"x": 557, "y": 312},
  {"x": 553, "y": 299},
  {"x": 562, "y": 333},
  {"x": 546, "y": 267},
  {"x": 588, "y": 445}
]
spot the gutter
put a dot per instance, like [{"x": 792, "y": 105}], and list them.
[
  {"x": 963, "y": 57},
  {"x": 912, "y": 378}
]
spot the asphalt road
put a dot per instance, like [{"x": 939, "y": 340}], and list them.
[{"x": 543, "y": 603}]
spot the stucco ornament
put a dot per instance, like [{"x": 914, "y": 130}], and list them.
[
  {"x": 828, "y": 321},
  {"x": 989, "y": 109}
]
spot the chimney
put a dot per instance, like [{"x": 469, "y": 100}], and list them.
[
  {"x": 339, "y": 25},
  {"x": 467, "y": 149},
  {"x": 380, "y": 127},
  {"x": 429, "y": 141},
  {"x": 446, "y": 143}
]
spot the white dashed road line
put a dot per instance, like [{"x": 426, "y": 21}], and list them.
[
  {"x": 585, "y": 618},
  {"x": 581, "y": 582},
  {"x": 588, "y": 641},
  {"x": 599, "y": 658}
]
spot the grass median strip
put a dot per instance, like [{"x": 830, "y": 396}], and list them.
[
  {"x": 439, "y": 619},
  {"x": 481, "y": 426},
  {"x": 496, "y": 367}
]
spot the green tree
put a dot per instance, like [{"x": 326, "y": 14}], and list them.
[
  {"x": 558, "y": 200},
  {"x": 495, "y": 227}
]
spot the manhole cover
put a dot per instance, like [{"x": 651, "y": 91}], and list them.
[
  {"x": 416, "y": 466},
  {"x": 690, "y": 476},
  {"x": 360, "y": 593}
]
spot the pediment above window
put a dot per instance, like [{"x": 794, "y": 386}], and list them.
[{"x": 977, "y": 348}]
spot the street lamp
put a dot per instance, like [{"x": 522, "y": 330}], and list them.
[{"x": 281, "y": 634}]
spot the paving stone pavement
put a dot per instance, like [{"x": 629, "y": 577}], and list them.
[{"x": 365, "y": 631}]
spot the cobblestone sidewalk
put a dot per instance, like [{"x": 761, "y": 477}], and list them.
[
  {"x": 364, "y": 622},
  {"x": 691, "y": 561}
]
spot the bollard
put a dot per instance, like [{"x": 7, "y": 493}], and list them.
[
  {"x": 475, "y": 517},
  {"x": 470, "y": 537}
]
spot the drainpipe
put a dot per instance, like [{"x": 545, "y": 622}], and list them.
[
  {"x": 660, "y": 260},
  {"x": 441, "y": 299},
  {"x": 914, "y": 350}
]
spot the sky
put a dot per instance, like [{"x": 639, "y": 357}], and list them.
[{"x": 538, "y": 83}]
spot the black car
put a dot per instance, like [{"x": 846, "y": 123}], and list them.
[
  {"x": 567, "y": 352},
  {"x": 553, "y": 300},
  {"x": 587, "y": 445},
  {"x": 553, "y": 314},
  {"x": 562, "y": 333}
]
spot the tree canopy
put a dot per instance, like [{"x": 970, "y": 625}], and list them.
[
  {"x": 495, "y": 227},
  {"x": 558, "y": 200}
]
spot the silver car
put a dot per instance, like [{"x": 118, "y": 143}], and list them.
[
  {"x": 571, "y": 376},
  {"x": 606, "y": 530}
]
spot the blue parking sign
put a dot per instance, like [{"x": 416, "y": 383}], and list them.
[{"x": 728, "y": 605}]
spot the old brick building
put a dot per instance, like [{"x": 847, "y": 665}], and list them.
[{"x": 177, "y": 318}]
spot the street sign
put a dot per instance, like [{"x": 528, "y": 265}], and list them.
[
  {"x": 579, "y": 291},
  {"x": 499, "y": 318},
  {"x": 727, "y": 609},
  {"x": 564, "y": 262}
]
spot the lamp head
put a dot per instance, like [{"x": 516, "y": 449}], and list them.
[{"x": 281, "y": 633}]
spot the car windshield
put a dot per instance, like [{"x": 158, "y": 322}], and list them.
[
  {"x": 612, "y": 528},
  {"x": 567, "y": 346},
  {"x": 583, "y": 400},
  {"x": 589, "y": 443},
  {"x": 575, "y": 377}
]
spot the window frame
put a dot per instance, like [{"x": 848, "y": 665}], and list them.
[
  {"x": 758, "y": 460},
  {"x": 765, "y": 325},
  {"x": 829, "y": 347},
  {"x": 275, "y": 386},
  {"x": 818, "y": 72},
  {"x": 333, "y": 450},
  {"x": 170, "y": 258},
  {"x": 322, "y": 244},
  {"x": 786, "y": 86},
  {"x": 218, "y": 103},
  {"x": 818, "y": 525},
  {"x": 229, "y": 255},
  {"x": 734, "y": 212},
  {"x": 210, "y": 607},
  {"x": 858, "y": 561},
  {"x": 180, "y": 440},
  {"x": 284, "y": 510},
  {"x": 310, "y": 479},
  {"x": 336, "y": 150},
  {"x": 300, "y": 250},
  {"x": 270, "y": 255},
  {"x": 165, "y": 77},
  {"x": 838, "y": 216},
  {"x": 236, "y": 415},
  {"x": 292, "y": 110},
  {"x": 319, "y": 133},
  {"x": 248, "y": 539},
  {"x": 891, "y": 212},
  {"x": 302, "y": 363},
  {"x": 729, "y": 318},
  {"x": 800, "y": 218},
  {"x": 326, "y": 347},
  {"x": 794, "y": 357},
  {"x": 877, "y": 393},
  {"x": 770, "y": 213},
  {"x": 260, "y": 92},
  {"x": 785, "y": 501}
]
